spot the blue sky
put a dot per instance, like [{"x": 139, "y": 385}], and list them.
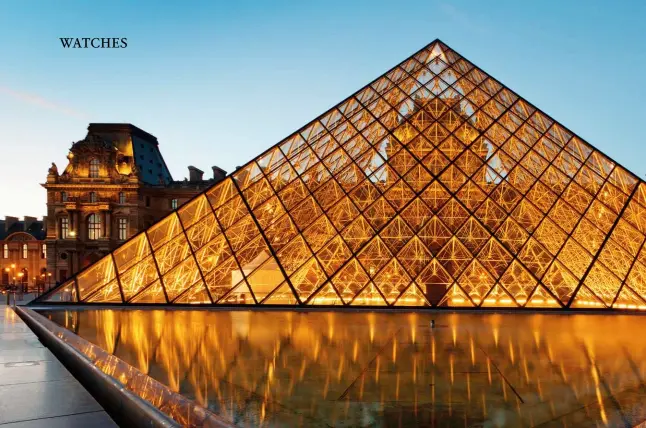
[{"x": 218, "y": 82}]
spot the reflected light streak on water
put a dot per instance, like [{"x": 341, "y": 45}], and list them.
[{"x": 376, "y": 369}]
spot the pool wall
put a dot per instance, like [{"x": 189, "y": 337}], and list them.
[{"x": 123, "y": 401}]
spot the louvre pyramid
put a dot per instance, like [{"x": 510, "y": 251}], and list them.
[{"x": 434, "y": 185}]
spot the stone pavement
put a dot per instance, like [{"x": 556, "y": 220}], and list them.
[{"x": 36, "y": 390}]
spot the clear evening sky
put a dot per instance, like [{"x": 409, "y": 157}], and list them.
[{"x": 218, "y": 81}]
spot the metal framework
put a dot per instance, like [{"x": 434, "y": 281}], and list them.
[{"x": 435, "y": 185}]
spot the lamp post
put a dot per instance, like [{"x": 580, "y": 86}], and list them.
[
  {"x": 7, "y": 270},
  {"x": 49, "y": 276},
  {"x": 13, "y": 276}
]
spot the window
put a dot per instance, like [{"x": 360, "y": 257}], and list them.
[
  {"x": 147, "y": 201},
  {"x": 24, "y": 251},
  {"x": 43, "y": 253},
  {"x": 122, "y": 198},
  {"x": 173, "y": 204},
  {"x": 64, "y": 227},
  {"x": 123, "y": 229},
  {"x": 64, "y": 196},
  {"x": 5, "y": 251},
  {"x": 92, "y": 196},
  {"x": 94, "y": 168},
  {"x": 94, "y": 226}
]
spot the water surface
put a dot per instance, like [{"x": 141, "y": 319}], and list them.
[{"x": 366, "y": 369}]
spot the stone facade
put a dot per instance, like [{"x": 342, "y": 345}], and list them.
[
  {"x": 23, "y": 253},
  {"x": 116, "y": 183}
]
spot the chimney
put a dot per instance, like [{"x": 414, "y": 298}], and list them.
[
  {"x": 9, "y": 221},
  {"x": 194, "y": 174},
  {"x": 29, "y": 221},
  {"x": 218, "y": 173}
]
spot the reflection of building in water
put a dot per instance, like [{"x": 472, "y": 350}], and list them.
[{"x": 331, "y": 369}]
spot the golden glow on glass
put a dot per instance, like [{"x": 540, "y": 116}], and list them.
[
  {"x": 288, "y": 360},
  {"x": 435, "y": 185}
]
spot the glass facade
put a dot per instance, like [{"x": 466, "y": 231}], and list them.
[{"x": 435, "y": 185}]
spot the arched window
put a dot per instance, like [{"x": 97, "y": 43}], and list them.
[
  {"x": 94, "y": 226},
  {"x": 24, "y": 251},
  {"x": 94, "y": 168},
  {"x": 43, "y": 254},
  {"x": 5, "y": 251}
]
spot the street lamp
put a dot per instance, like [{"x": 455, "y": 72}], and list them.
[
  {"x": 22, "y": 287},
  {"x": 49, "y": 280},
  {"x": 13, "y": 274}
]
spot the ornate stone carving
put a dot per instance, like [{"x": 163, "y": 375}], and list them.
[{"x": 53, "y": 170}]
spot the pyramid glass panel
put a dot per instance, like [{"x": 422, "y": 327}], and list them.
[{"x": 433, "y": 186}]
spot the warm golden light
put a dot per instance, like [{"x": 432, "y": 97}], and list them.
[{"x": 433, "y": 186}]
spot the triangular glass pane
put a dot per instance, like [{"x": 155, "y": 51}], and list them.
[
  {"x": 110, "y": 293},
  {"x": 412, "y": 296},
  {"x": 96, "y": 276},
  {"x": 586, "y": 299},
  {"x": 308, "y": 279},
  {"x": 265, "y": 278},
  {"x": 433, "y": 281},
  {"x": 223, "y": 277},
  {"x": 326, "y": 296},
  {"x": 153, "y": 294},
  {"x": 540, "y": 298},
  {"x": 196, "y": 295},
  {"x": 240, "y": 295},
  {"x": 181, "y": 278},
  {"x": 455, "y": 297},
  {"x": 369, "y": 296},
  {"x": 350, "y": 280},
  {"x": 518, "y": 281},
  {"x": 66, "y": 293},
  {"x": 392, "y": 280},
  {"x": 498, "y": 298},
  {"x": 282, "y": 295},
  {"x": 628, "y": 299},
  {"x": 560, "y": 282}
]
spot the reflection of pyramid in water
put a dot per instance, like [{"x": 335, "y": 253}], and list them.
[{"x": 434, "y": 185}]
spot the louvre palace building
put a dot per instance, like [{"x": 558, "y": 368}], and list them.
[{"x": 116, "y": 183}]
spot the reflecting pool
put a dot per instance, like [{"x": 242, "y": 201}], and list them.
[{"x": 367, "y": 369}]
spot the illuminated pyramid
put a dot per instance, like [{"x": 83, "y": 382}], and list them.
[{"x": 435, "y": 185}]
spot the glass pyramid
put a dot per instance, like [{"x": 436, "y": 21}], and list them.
[{"x": 434, "y": 185}]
